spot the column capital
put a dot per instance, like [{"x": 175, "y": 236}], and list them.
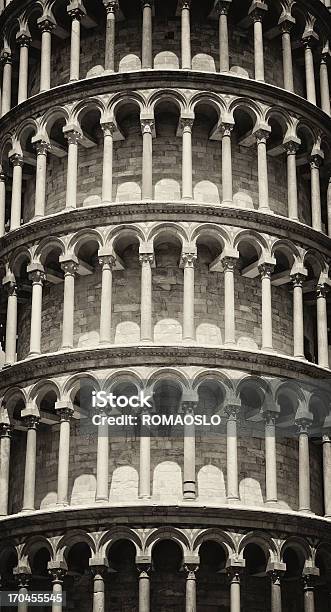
[
  {"x": 266, "y": 269},
  {"x": 69, "y": 265},
  {"x": 191, "y": 569},
  {"x": 223, "y": 6},
  {"x": 46, "y": 23},
  {"x": 23, "y": 575},
  {"x": 11, "y": 287},
  {"x": 233, "y": 410},
  {"x": 65, "y": 410},
  {"x": 303, "y": 424},
  {"x": 298, "y": 279},
  {"x": 6, "y": 430},
  {"x": 42, "y": 146},
  {"x": 145, "y": 258},
  {"x": 38, "y": 277},
  {"x": 235, "y": 569},
  {"x": 16, "y": 158},
  {"x": 23, "y": 38},
  {"x": 76, "y": 9},
  {"x": 189, "y": 406},
  {"x": 286, "y": 24},
  {"x": 147, "y": 126},
  {"x": 99, "y": 566},
  {"x": 229, "y": 263},
  {"x": 108, "y": 127},
  {"x": 316, "y": 159},
  {"x": 57, "y": 570},
  {"x": 226, "y": 129},
  {"x": 309, "y": 39},
  {"x": 107, "y": 261},
  {"x": 111, "y": 6},
  {"x": 270, "y": 417},
  {"x": 148, "y": 3},
  {"x": 292, "y": 146},
  {"x": 257, "y": 10},
  {"x": 188, "y": 260},
  {"x": 144, "y": 567},
  {"x": 184, "y": 4},
  {"x": 72, "y": 133},
  {"x": 309, "y": 577},
  {"x": 276, "y": 572},
  {"x": 262, "y": 134},
  {"x": 186, "y": 124},
  {"x": 322, "y": 290},
  {"x": 6, "y": 56},
  {"x": 31, "y": 421}
]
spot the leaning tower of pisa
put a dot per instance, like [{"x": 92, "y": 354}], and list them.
[{"x": 165, "y": 223}]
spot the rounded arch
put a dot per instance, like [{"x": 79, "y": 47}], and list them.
[
  {"x": 125, "y": 376},
  {"x": 25, "y": 128},
  {"x": 77, "y": 536},
  {"x": 300, "y": 546},
  {"x": 167, "y": 533},
  {"x": 254, "y": 239},
  {"x": 173, "y": 229},
  {"x": 123, "y": 99},
  {"x": 220, "y": 234},
  {"x": 316, "y": 262},
  {"x": 12, "y": 397},
  {"x": 5, "y": 146},
  {"x": 215, "y": 535},
  {"x": 42, "y": 388},
  {"x": 288, "y": 248},
  {"x": 21, "y": 256},
  {"x": 168, "y": 374},
  {"x": 52, "y": 116},
  {"x": 82, "y": 237},
  {"x": 46, "y": 246},
  {"x": 252, "y": 108},
  {"x": 217, "y": 376},
  {"x": 282, "y": 117},
  {"x": 263, "y": 541},
  {"x": 116, "y": 534},
  {"x": 33, "y": 545},
  {"x": 72, "y": 384},
  {"x": 120, "y": 238},
  {"x": 82, "y": 107},
  {"x": 209, "y": 99},
  {"x": 167, "y": 95}
]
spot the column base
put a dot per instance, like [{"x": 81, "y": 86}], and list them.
[
  {"x": 101, "y": 500},
  {"x": 62, "y": 504},
  {"x": 306, "y": 511},
  {"x": 105, "y": 343},
  {"x": 66, "y": 347},
  {"x": 233, "y": 500},
  {"x": 230, "y": 345},
  {"x": 266, "y": 210},
  {"x": 143, "y": 496},
  {"x": 33, "y": 354},
  {"x": 301, "y": 357},
  {"x": 227, "y": 203},
  {"x": 27, "y": 510},
  {"x": 272, "y": 503},
  {"x": 36, "y": 217}
]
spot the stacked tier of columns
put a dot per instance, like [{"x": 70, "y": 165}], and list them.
[
  {"x": 77, "y": 13},
  {"x": 70, "y": 266},
  {"x": 235, "y": 571},
  {"x": 74, "y": 135},
  {"x": 233, "y": 418}
]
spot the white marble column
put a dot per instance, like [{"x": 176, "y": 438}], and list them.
[
  {"x": 233, "y": 414},
  {"x": 144, "y": 586},
  {"x": 229, "y": 266},
  {"x": 98, "y": 570},
  {"x": 187, "y": 170},
  {"x": 2, "y": 203},
  {"x": 6, "y": 60},
  {"x": 262, "y": 136},
  {"x": 188, "y": 262},
  {"x": 309, "y": 69},
  {"x": 324, "y": 82},
  {"x": 73, "y": 136},
  {"x": 57, "y": 571},
  {"x": 102, "y": 490},
  {"x": 107, "y": 172},
  {"x": 46, "y": 25},
  {"x": 326, "y": 439},
  {"x": 107, "y": 263},
  {"x": 76, "y": 11},
  {"x": 38, "y": 277},
  {"x": 69, "y": 268},
  {"x": 304, "y": 465},
  {"x": 257, "y": 14},
  {"x": 42, "y": 149},
  {"x": 147, "y": 35},
  {"x": 234, "y": 573},
  {"x": 186, "y": 34},
  {"x": 5, "y": 443},
  {"x": 147, "y": 165},
  {"x": 291, "y": 147},
  {"x": 16, "y": 197},
  {"x": 11, "y": 323},
  {"x": 265, "y": 274},
  {"x": 189, "y": 480},
  {"x": 222, "y": 7},
  {"x": 145, "y": 460},
  {"x": 270, "y": 458},
  {"x": 146, "y": 324},
  {"x": 276, "y": 589},
  {"x": 23, "y": 577},
  {"x": 65, "y": 412},
  {"x": 30, "y": 421},
  {"x": 191, "y": 587},
  {"x": 316, "y": 161},
  {"x": 308, "y": 593},
  {"x": 286, "y": 28},
  {"x": 227, "y": 186},
  {"x": 23, "y": 39},
  {"x": 111, "y": 7},
  {"x": 322, "y": 326},
  {"x": 298, "y": 316}
]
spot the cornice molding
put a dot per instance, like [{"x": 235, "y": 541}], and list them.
[
  {"x": 134, "y": 212},
  {"x": 96, "y": 517},
  {"x": 159, "y": 79},
  {"x": 260, "y": 364}
]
